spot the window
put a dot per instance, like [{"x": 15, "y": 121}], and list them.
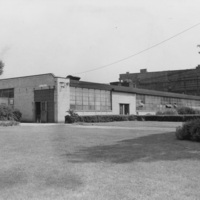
[
  {"x": 90, "y": 99},
  {"x": 9, "y": 93},
  {"x": 124, "y": 109}
]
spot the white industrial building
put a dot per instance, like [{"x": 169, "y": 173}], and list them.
[{"x": 47, "y": 98}]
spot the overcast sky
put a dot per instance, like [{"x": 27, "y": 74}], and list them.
[{"x": 71, "y": 36}]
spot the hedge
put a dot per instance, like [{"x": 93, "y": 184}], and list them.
[
  {"x": 168, "y": 118},
  {"x": 167, "y": 112},
  {"x": 112, "y": 118},
  {"x": 9, "y": 123},
  {"x": 99, "y": 118}
]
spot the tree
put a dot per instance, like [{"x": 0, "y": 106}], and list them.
[{"x": 1, "y": 67}]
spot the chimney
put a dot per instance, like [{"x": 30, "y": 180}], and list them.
[
  {"x": 198, "y": 67},
  {"x": 142, "y": 71},
  {"x": 76, "y": 78}
]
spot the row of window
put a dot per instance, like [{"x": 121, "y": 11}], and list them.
[
  {"x": 147, "y": 102},
  {"x": 90, "y": 99}
]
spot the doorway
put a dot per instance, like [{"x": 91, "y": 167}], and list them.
[
  {"x": 38, "y": 112},
  {"x": 41, "y": 112},
  {"x": 124, "y": 109},
  {"x": 44, "y": 105}
]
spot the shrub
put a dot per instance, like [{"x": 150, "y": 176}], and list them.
[
  {"x": 17, "y": 115},
  {"x": 111, "y": 118},
  {"x": 8, "y": 113},
  {"x": 167, "y": 118},
  {"x": 185, "y": 110},
  {"x": 167, "y": 112},
  {"x": 99, "y": 118},
  {"x": 195, "y": 130},
  {"x": 72, "y": 117},
  {"x": 132, "y": 117},
  {"x": 72, "y": 113},
  {"x": 9, "y": 123},
  {"x": 197, "y": 111},
  {"x": 182, "y": 133},
  {"x": 189, "y": 131}
]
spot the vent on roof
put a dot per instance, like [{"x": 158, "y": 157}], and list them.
[
  {"x": 143, "y": 71},
  {"x": 76, "y": 78},
  {"x": 198, "y": 67}
]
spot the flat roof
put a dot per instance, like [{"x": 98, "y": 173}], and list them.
[
  {"x": 148, "y": 72},
  {"x": 28, "y": 76},
  {"x": 91, "y": 85},
  {"x": 100, "y": 86}
]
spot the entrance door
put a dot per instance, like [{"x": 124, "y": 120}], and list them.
[
  {"x": 44, "y": 112},
  {"x": 41, "y": 112},
  {"x": 38, "y": 112},
  {"x": 124, "y": 109},
  {"x": 44, "y": 105}
]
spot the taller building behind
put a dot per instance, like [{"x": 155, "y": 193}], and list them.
[{"x": 177, "y": 81}]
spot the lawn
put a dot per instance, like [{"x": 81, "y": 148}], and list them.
[{"x": 124, "y": 160}]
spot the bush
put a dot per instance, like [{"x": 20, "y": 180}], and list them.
[
  {"x": 185, "y": 110},
  {"x": 72, "y": 113},
  {"x": 132, "y": 118},
  {"x": 182, "y": 133},
  {"x": 195, "y": 130},
  {"x": 99, "y": 118},
  {"x": 9, "y": 123},
  {"x": 17, "y": 115},
  {"x": 8, "y": 113},
  {"x": 189, "y": 131},
  {"x": 167, "y": 118},
  {"x": 179, "y": 111},
  {"x": 112, "y": 118},
  {"x": 197, "y": 112},
  {"x": 167, "y": 112}
]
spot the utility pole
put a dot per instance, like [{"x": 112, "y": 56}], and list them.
[
  {"x": 198, "y": 76},
  {"x": 198, "y": 47}
]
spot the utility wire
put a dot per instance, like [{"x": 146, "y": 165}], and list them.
[{"x": 140, "y": 52}]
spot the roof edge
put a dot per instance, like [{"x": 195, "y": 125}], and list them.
[{"x": 29, "y": 76}]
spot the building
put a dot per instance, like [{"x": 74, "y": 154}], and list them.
[
  {"x": 177, "y": 81},
  {"x": 47, "y": 98}
]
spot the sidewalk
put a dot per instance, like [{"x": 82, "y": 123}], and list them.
[{"x": 41, "y": 124}]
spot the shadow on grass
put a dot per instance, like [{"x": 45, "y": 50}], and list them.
[
  {"x": 146, "y": 149},
  {"x": 12, "y": 177},
  {"x": 15, "y": 177}
]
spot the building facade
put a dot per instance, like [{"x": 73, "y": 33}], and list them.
[
  {"x": 47, "y": 98},
  {"x": 177, "y": 81}
]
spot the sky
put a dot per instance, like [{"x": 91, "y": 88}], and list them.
[{"x": 67, "y": 37}]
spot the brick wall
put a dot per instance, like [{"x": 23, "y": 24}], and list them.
[{"x": 178, "y": 81}]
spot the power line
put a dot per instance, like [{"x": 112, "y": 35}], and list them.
[{"x": 140, "y": 52}]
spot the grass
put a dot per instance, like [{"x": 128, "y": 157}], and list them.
[{"x": 124, "y": 160}]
